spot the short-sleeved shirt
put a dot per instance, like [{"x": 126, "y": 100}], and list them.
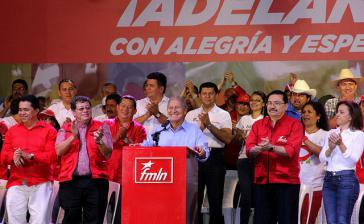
[
  {"x": 312, "y": 170},
  {"x": 151, "y": 122},
  {"x": 61, "y": 112},
  {"x": 330, "y": 106},
  {"x": 218, "y": 117}
]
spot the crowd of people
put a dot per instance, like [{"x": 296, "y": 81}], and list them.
[{"x": 276, "y": 141}]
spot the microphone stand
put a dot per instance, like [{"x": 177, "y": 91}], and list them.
[{"x": 155, "y": 135}]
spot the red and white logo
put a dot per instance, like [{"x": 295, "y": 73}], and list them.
[{"x": 157, "y": 170}]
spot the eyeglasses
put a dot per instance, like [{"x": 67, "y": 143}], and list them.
[{"x": 275, "y": 103}]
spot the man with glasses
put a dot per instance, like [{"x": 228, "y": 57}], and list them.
[
  {"x": 84, "y": 145},
  {"x": 274, "y": 142},
  {"x": 66, "y": 91}
]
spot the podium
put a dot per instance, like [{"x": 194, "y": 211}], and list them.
[{"x": 159, "y": 185}]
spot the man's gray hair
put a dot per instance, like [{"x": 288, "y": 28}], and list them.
[{"x": 179, "y": 99}]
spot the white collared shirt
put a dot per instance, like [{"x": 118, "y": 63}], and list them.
[
  {"x": 151, "y": 122},
  {"x": 218, "y": 117},
  {"x": 61, "y": 112},
  {"x": 9, "y": 121},
  {"x": 338, "y": 161},
  {"x": 97, "y": 110}
]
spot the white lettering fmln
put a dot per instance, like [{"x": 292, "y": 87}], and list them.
[{"x": 152, "y": 176}]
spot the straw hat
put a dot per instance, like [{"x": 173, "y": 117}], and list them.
[
  {"x": 347, "y": 74},
  {"x": 301, "y": 86}
]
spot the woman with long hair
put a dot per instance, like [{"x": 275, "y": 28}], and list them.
[
  {"x": 312, "y": 171},
  {"x": 245, "y": 166},
  {"x": 341, "y": 151}
]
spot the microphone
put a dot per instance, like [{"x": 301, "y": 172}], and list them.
[{"x": 155, "y": 135}]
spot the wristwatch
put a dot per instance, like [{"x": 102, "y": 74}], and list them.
[
  {"x": 99, "y": 142},
  {"x": 157, "y": 115}
]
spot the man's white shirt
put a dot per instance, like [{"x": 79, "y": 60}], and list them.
[
  {"x": 61, "y": 112},
  {"x": 151, "y": 122},
  {"x": 218, "y": 117}
]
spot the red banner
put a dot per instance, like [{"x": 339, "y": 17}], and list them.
[{"x": 189, "y": 30}]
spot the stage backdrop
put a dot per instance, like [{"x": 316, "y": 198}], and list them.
[{"x": 129, "y": 77}]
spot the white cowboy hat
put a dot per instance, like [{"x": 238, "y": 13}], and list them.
[
  {"x": 347, "y": 74},
  {"x": 301, "y": 86}
]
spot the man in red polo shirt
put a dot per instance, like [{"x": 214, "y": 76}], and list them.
[
  {"x": 274, "y": 142},
  {"x": 29, "y": 150},
  {"x": 125, "y": 131}
]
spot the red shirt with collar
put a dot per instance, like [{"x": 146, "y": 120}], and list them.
[
  {"x": 135, "y": 134},
  {"x": 3, "y": 167},
  {"x": 269, "y": 166},
  {"x": 39, "y": 140}
]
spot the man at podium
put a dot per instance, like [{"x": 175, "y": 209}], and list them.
[{"x": 178, "y": 132}]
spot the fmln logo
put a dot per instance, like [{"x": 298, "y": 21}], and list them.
[{"x": 157, "y": 170}]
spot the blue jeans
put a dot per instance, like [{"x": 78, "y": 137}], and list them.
[{"x": 340, "y": 191}]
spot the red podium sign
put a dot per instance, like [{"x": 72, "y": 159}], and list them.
[{"x": 154, "y": 185}]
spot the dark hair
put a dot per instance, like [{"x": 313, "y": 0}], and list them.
[
  {"x": 20, "y": 81},
  {"x": 114, "y": 96},
  {"x": 325, "y": 98},
  {"x": 109, "y": 84},
  {"x": 41, "y": 98},
  {"x": 320, "y": 111},
  {"x": 279, "y": 92},
  {"x": 55, "y": 123},
  {"x": 79, "y": 99},
  {"x": 161, "y": 79},
  {"x": 264, "y": 98},
  {"x": 33, "y": 100},
  {"x": 356, "y": 122},
  {"x": 208, "y": 85},
  {"x": 232, "y": 99},
  {"x": 129, "y": 97},
  {"x": 68, "y": 81},
  {"x": 14, "y": 106}
]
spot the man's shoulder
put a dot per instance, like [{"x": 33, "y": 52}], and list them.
[
  {"x": 56, "y": 106},
  {"x": 137, "y": 125},
  {"x": 218, "y": 110},
  {"x": 142, "y": 100},
  {"x": 189, "y": 125},
  {"x": 332, "y": 101},
  {"x": 193, "y": 112},
  {"x": 288, "y": 121},
  {"x": 165, "y": 99}
]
